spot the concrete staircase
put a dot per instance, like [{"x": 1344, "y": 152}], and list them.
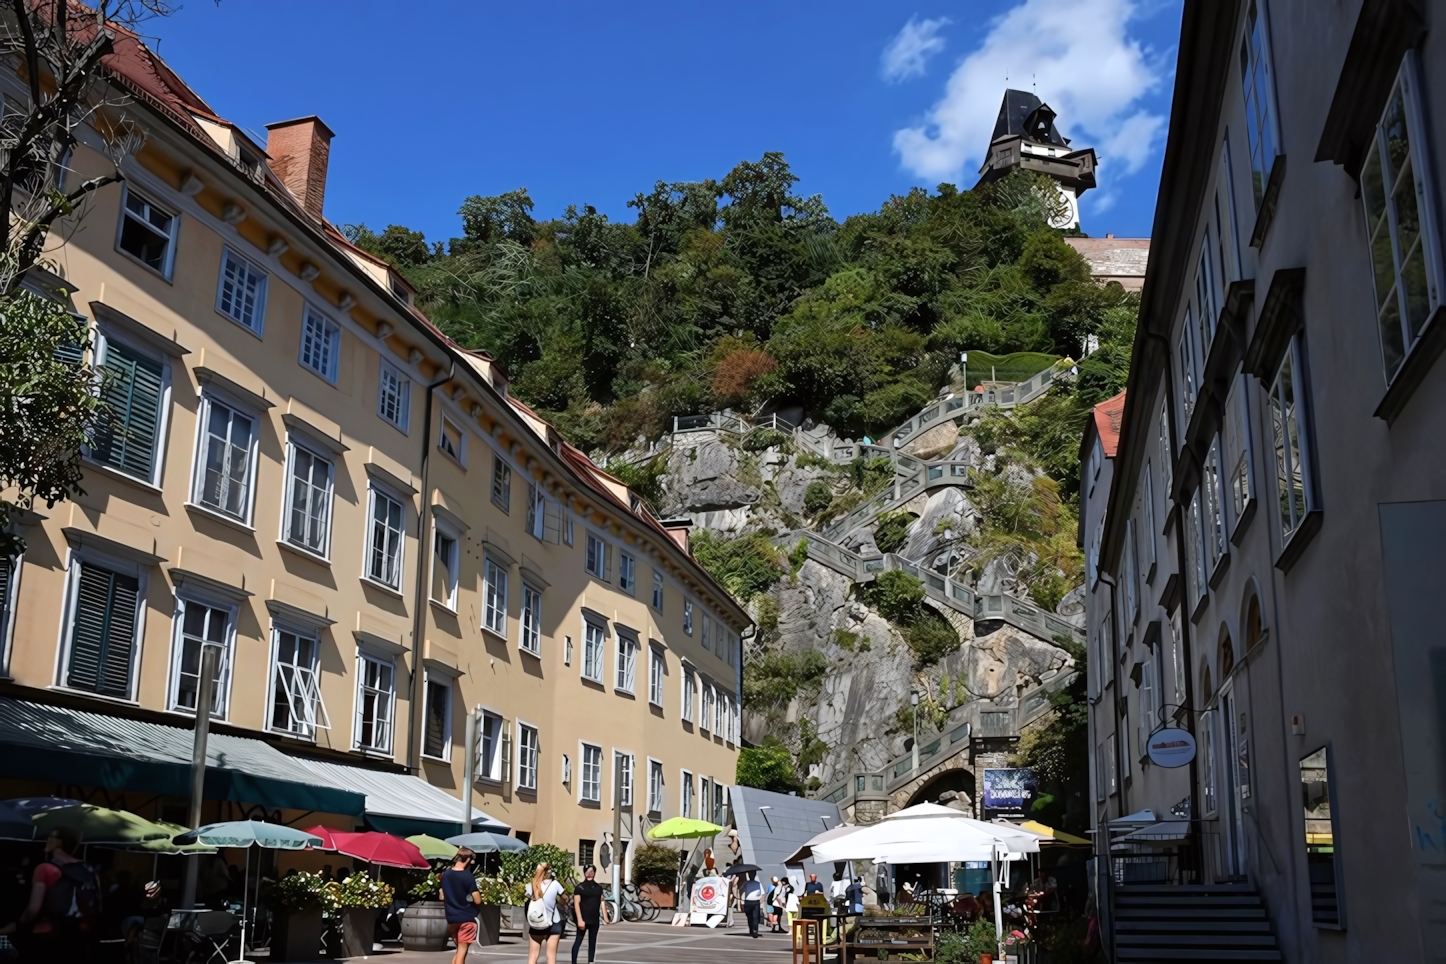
[{"x": 1155, "y": 924}]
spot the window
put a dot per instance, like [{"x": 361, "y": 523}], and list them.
[
  {"x": 308, "y": 510},
  {"x": 536, "y": 511},
  {"x": 1167, "y": 459},
  {"x": 531, "y": 620},
  {"x": 1195, "y": 562},
  {"x": 623, "y": 764},
  {"x": 567, "y": 771},
  {"x": 733, "y": 721},
  {"x": 1148, "y": 487},
  {"x": 567, "y": 650},
  {"x": 1177, "y": 657},
  {"x": 1287, "y": 423},
  {"x": 1230, "y": 269},
  {"x": 689, "y": 684},
  {"x": 494, "y": 616},
  {"x": 527, "y": 749},
  {"x": 375, "y": 699},
  {"x": 707, "y": 633},
  {"x": 686, "y": 792},
  {"x": 241, "y": 295},
  {"x": 104, "y": 620},
  {"x": 591, "y": 773},
  {"x": 705, "y": 798},
  {"x": 444, "y": 569},
  {"x": 133, "y": 393},
  {"x": 720, "y": 805},
  {"x": 656, "y": 667},
  {"x": 1215, "y": 532},
  {"x": 1320, "y": 835},
  {"x": 1129, "y": 579},
  {"x": 296, "y": 706},
  {"x": 490, "y": 729},
  {"x": 437, "y": 718},
  {"x": 1148, "y": 705},
  {"x": 1400, "y": 222},
  {"x": 1258, "y": 85},
  {"x": 627, "y": 573},
  {"x": 198, "y": 626},
  {"x": 657, "y": 590},
  {"x": 1239, "y": 458},
  {"x": 384, "y": 553},
  {"x": 720, "y": 712},
  {"x": 394, "y": 397},
  {"x": 688, "y": 616},
  {"x": 223, "y": 477},
  {"x": 596, "y": 559},
  {"x": 655, "y": 787},
  {"x": 592, "y": 651},
  {"x": 1187, "y": 369},
  {"x": 501, "y": 484},
  {"x": 585, "y": 851},
  {"x": 567, "y": 531},
  {"x": 147, "y": 233},
  {"x": 449, "y": 439},
  {"x": 708, "y": 696},
  {"x": 1100, "y": 786},
  {"x": 320, "y": 344},
  {"x": 627, "y": 663},
  {"x": 1207, "y": 761},
  {"x": 1206, "y": 297}
]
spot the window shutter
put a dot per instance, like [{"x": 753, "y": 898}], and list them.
[
  {"x": 132, "y": 392},
  {"x": 507, "y": 751},
  {"x": 104, "y": 632}
]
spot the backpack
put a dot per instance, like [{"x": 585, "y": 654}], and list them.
[
  {"x": 537, "y": 916},
  {"x": 75, "y": 898}
]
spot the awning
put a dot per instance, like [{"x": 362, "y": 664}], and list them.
[
  {"x": 78, "y": 746},
  {"x": 1163, "y": 831}
]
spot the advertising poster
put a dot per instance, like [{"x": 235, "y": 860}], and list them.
[
  {"x": 1008, "y": 791},
  {"x": 710, "y": 896}
]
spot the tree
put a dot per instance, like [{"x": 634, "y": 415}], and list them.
[
  {"x": 51, "y": 398},
  {"x": 768, "y": 767}
]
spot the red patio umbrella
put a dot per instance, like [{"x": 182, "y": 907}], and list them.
[
  {"x": 327, "y": 835},
  {"x": 381, "y": 848}
]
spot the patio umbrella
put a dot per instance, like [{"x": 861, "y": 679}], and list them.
[
  {"x": 16, "y": 814},
  {"x": 737, "y": 869},
  {"x": 486, "y": 842},
  {"x": 433, "y": 848},
  {"x": 99, "y": 825},
  {"x": 806, "y": 851},
  {"x": 169, "y": 846},
  {"x": 381, "y": 849},
  {"x": 327, "y": 835},
  {"x": 684, "y": 828},
  {"x": 1058, "y": 836}
]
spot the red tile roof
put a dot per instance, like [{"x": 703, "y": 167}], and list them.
[{"x": 1107, "y": 422}]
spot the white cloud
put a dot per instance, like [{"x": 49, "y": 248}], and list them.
[
  {"x": 910, "y": 50},
  {"x": 1079, "y": 56}
]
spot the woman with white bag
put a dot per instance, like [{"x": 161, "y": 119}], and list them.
[{"x": 544, "y": 921}]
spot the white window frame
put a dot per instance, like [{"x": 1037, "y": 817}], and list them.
[
  {"x": 688, "y": 617},
  {"x": 1188, "y": 368},
  {"x": 1265, "y": 101},
  {"x": 1240, "y": 463},
  {"x": 452, "y": 563},
  {"x": 494, "y": 596},
  {"x": 1217, "y": 534},
  {"x": 303, "y": 686},
  {"x": 501, "y": 485},
  {"x": 705, "y": 717},
  {"x": 1151, "y": 532},
  {"x": 375, "y": 494},
  {"x": 686, "y": 794},
  {"x": 364, "y": 657},
  {"x": 655, "y": 786},
  {"x": 394, "y": 397},
  {"x": 1167, "y": 456},
  {"x": 444, "y": 443},
  {"x": 593, "y": 650},
  {"x": 1130, "y": 577},
  {"x": 318, "y": 327},
  {"x": 689, "y": 684},
  {"x": 595, "y": 556},
  {"x": 202, "y": 449},
  {"x": 530, "y": 638},
  {"x": 167, "y": 270},
  {"x": 536, "y": 512},
  {"x": 288, "y": 503},
  {"x": 448, "y": 685},
  {"x": 625, "y": 664},
  {"x": 657, "y": 590},
  {"x": 625, "y": 774},
  {"x": 491, "y": 734},
  {"x": 1293, "y": 517},
  {"x": 528, "y": 753},
  {"x": 1206, "y": 298},
  {"x": 223, "y": 666},
  {"x": 594, "y": 785},
  {"x": 657, "y": 669},
  {"x": 245, "y": 272},
  {"x": 627, "y": 573}
]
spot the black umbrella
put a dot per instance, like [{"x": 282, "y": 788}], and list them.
[{"x": 742, "y": 869}]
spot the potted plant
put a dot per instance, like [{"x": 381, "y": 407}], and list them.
[
  {"x": 356, "y": 901},
  {"x": 496, "y": 894},
  {"x": 424, "y": 922},
  {"x": 296, "y": 905}
]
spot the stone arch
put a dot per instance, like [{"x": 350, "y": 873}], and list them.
[
  {"x": 958, "y": 779},
  {"x": 1227, "y": 653},
  {"x": 933, "y": 780},
  {"x": 1252, "y": 617}
]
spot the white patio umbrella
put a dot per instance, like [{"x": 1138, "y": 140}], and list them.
[{"x": 926, "y": 833}]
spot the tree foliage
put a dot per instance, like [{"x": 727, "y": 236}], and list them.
[
  {"x": 768, "y": 767},
  {"x": 744, "y": 565}
]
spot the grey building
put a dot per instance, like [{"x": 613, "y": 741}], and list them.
[{"x": 1266, "y": 557}]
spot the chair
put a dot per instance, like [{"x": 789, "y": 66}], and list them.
[
  {"x": 211, "y": 931},
  {"x": 807, "y": 941}
]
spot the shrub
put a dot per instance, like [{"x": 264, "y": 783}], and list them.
[
  {"x": 845, "y": 639},
  {"x": 745, "y": 565},
  {"x": 892, "y": 531},
  {"x": 655, "y": 864},
  {"x": 871, "y": 475},
  {"x": 817, "y": 496},
  {"x": 358, "y": 890},
  {"x": 931, "y": 637},
  {"x": 737, "y": 373},
  {"x": 895, "y": 594},
  {"x": 797, "y": 556},
  {"x": 807, "y": 460},
  {"x": 645, "y": 478},
  {"x": 765, "y": 438},
  {"x": 517, "y": 867},
  {"x": 773, "y": 680},
  {"x": 767, "y": 767},
  {"x": 295, "y": 891}
]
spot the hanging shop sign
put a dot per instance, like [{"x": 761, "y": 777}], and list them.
[{"x": 1171, "y": 747}]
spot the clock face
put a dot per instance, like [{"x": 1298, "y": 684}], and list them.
[{"x": 1063, "y": 215}]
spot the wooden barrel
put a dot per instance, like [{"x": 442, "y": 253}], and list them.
[{"x": 424, "y": 926}]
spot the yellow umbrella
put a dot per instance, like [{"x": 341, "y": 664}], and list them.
[
  {"x": 99, "y": 825},
  {"x": 433, "y": 848},
  {"x": 684, "y": 828},
  {"x": 168, "y": 846},
  {"x": 1059, "y": 835}
]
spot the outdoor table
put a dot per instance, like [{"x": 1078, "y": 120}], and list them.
[{"x": 850, "y": 949}]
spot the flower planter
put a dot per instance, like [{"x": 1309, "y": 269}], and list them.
[
  {"x": 358, "y": 931},
  {"x": 296, "y": 935},
  {"x": 660, "y": 896},
  {"x": 424, "y": 926}
]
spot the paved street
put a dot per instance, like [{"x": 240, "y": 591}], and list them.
[{"x": 629, "y": 944}]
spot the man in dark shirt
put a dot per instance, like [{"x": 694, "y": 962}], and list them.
[
  {"x": 460, "y": 894},
  {"x": 587, "y": 907},
  {"x": 813, "y": 886}
]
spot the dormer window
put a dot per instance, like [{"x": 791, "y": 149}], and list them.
[{"x": 399, "y": 289}]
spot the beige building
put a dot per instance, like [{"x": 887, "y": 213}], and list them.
[{"x": 306, "y": 473}]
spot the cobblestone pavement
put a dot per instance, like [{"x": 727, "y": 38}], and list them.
[{"x": 625, "y": 944}]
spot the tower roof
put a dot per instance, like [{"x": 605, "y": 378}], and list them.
[{"x": 1022, "y": 114}]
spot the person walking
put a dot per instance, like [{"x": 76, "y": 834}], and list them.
[
  {"x": 589, "y": 911},
  {"x": 544, "y": 921},
  {"x": 752, "y": 902},
  {"x": 774, "y": 911},
  {"x": 59, "y": 921},
  {"x": 791, "y": 905},
  {"x": 462, "y": 898}
]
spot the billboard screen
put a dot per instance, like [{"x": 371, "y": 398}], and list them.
[{"x": 1008, "y": 791}]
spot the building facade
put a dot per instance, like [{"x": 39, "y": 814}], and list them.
[
  {"x": 304, "y": 472},
  {"x": 1264, "y": 544}
]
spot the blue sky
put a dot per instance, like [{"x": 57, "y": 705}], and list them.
[{"x": 585, "y": 102}]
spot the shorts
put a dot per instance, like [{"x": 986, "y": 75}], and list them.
[
  {"x": 556, "y": 930},
  {"x": 463, "y": 933}
]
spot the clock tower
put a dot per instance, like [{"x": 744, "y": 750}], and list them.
[{"x": 1025, "y": 137}]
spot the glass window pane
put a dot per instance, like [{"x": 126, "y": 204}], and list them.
[
  {"x": 1315, "y": 787},
  {"x": 1373, "y": 191}
]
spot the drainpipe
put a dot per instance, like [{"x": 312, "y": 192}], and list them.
[{"x": 424, "y": 576}]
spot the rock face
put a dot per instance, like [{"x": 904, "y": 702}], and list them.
[{"x": 704, "y": 477}]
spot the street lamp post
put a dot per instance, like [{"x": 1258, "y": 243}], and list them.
[
  {"x": 914, "y": 702},
  {"x": 210, "y": 661}
]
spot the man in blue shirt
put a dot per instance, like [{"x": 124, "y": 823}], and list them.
[{"x": 460, "y": 894}]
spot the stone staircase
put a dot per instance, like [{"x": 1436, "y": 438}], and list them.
[{"x": 1156, "y": 924}]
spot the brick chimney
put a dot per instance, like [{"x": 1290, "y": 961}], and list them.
[
  {"x": 299, "y": 150},
  {"x": 678, "y": 531}
]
